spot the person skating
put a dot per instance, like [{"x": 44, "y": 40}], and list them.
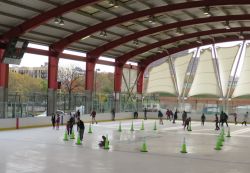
[
  {"x": 145, "y": 113},
  {"x": 225, "y": 118},
  {"x": 235, "y": 118},
  {"x": 245, "y": 119},
  {"x": 187, "y": 122},
  {"x": 160, "y": 116},
  {"x": 175, "y": 116},
  {"x": 113, "y": 114},
  {"x": 80, "y": 128},
  {"x": 203, "y": 119},
  {"x": 53, "y": 120},
  {"x": 135, "y": 115},
  {"x": 184, "y": 117},
  {"x": 168, "y": 115},
  {"x": 102, "y": 142},
  {"x": 93, "y": 115},
  {"x": 57, "y": 121},
  {"x": 217, "y": 122}
]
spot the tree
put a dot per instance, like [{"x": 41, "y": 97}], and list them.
[{"x": 71, "y": 79}]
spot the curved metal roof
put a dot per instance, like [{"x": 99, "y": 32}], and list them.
[{"x": 138, "y": 30}]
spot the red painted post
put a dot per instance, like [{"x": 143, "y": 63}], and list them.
[
  {"x": 52, "y": 72},
  {"x": 17, "y": 123},
  {"x": 4, "y": 72},
  {"x": 89, "y": 79},
  {"x": 140, "y": 80},
  {"x": 118, "y": 78}
]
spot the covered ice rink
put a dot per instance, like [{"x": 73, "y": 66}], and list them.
[{"x": 44, "y": 150}]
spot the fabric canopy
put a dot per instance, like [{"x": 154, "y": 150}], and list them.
[
  {"x": 226, "y": 58},
  {"x": 243, "y": 84},
  {"x": 205, "y": 81},
  {"x": 181, "y": 65},
  {"x": 160, "y": 79}
]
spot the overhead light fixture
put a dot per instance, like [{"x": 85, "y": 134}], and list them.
[
  {"x": 179, "y": 31},
  {"x": 199, "y": 40},
  {"x": 114, "y": 3},
  {"x": 136, "y": 42},
  {"x": 61, "y": 21},
  {"x": 227, "y": 25},
  {"x": 57, "y": 20},
  {"x": 241, "y": 36},
  {"x": 103, "y": 33},
  {"x": 151, "y": 19},
  {"x": 206, "y": 11},
  {"x": 85, "y": 37}
]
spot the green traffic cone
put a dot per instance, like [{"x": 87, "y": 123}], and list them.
[
  {"x": 120, "y": 127},
  {"x": 90, "y": 129},
  {"x": 218, "y": 144},
  {"x": 189, "y": 127},
  {"x": 184, "y": 147},
  {"x": 222, "y": 138},
  {"x": 142, "y": 125},
  {"x": 65, "y": 136},
  {"x": 132, "y": 126},
  {"x": 155, "y": 128},
  {"x": 228, "y": 132},
  {"x": 222, "y": 131},
  {"x": 72, "y": 136},
  {"x": 106, "y": 145},
  {"x": 144, "y": 147},
  {"x": 78, "y": 141}
]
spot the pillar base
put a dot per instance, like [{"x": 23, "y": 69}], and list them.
[
  {"x": 3, "y": 101},
  {"x": 89, "y": 101},
  {"x": 116, "y": 104},
  {"x": 51, "y": 103}
]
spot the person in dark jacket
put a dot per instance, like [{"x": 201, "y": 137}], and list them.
[
  {"x": 102, "y": 143},
  {"x": 187, "y": 122},
  {"x": 160, "y": 116},
  {"x": 135, "y": 115},
  {"x": 217, "y": 122},
  {"x": 203, "y": 118},
  {"x": 175, "y": 116},
  {"x": 93, "y": 115},
  {"x": 53, "y": 120},
  {"x": 184, "y": 117},
  {"x": 80, "y": 128},
  {"x": 145, "y": 113}
]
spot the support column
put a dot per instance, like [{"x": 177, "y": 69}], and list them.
[
  {"x": 139, "y": 104},
  {"x": 52, "y": 83},
  {"x": 4, "y": 78},
  {"x": 117, "y": 86},
  {"x": 89, "y": 83}
]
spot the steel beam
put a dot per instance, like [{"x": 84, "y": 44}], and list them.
[
  {"x": 44, "y": 17},
  {"x": 124, "y": 58},
  {"x": 61, "y": 44},
  {"x": 174, "y": 50},
  {"x": 98, "y": 51}
]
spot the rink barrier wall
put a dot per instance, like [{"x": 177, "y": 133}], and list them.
[{"x": 32, "y": 122}]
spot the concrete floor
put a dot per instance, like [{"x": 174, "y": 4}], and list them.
[{"x": 43, "y": 150}]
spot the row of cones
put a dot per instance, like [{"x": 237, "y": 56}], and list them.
[
  {"x": 72, "y": 136},
  {"x": 132, "y": 126},
  {"x": 221, "y": 139}
]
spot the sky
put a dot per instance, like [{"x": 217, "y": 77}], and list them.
[{"x": 32, "y": 60}]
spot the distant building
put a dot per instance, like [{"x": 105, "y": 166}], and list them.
[{"x": 35, "y": 72}]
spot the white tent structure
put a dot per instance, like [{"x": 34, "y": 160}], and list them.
[
  {"x": 181, "y": 65},
  {"x": 160, "y": 80},
  {"x": 226, "y": 57},
  {"x": 243, "y": 85},
  {"x": 205, "y": 81}
]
